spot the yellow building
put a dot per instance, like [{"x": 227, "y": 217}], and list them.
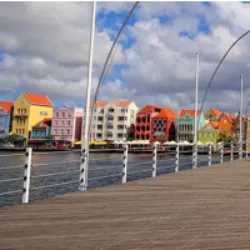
[{"x": 29, "y": 109}]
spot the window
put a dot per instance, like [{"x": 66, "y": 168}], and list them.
[
  {"x": 63, "y": 114},
  {"x": 62, "y": 122},
  {"x": 120, "y": 127},
  {"x": 69, "y": 123},
  {"x": 56, "y": 122},
  {"x": 55, "y": 131},
  {"x": 61, "y": 131},
  {"x": 69, "y": 115},
  {"x": 68, "y": 132},
  {"x": 19, "y": 111},
  {"x": 111, "y": 110},
  {"x": 99, "y": 127},
  {"x": 43, "y": 113},
  {"x": 57, "y": 114}
]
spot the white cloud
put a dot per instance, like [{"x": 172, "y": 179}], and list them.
[{"x": 46, "y": 48}]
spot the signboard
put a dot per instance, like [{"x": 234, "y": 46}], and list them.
[{"x": 159, "y": 133}]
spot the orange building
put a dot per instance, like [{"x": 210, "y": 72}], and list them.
[{"x": 225, "y": 124}]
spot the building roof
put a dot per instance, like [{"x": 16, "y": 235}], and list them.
[
  {"x": 190, "y": 111},
  {"x": 151, "y": 108},
  {"x": 118, "y": 103},
  {"x": 213, "y": 124},
  {"x": 35, "y": 99},
  {"x": 166, "y": 113},
  {"x": 46, "y": 122},
  {"x": 216, "y": 111},
  {"x": 6, "y": 106}
]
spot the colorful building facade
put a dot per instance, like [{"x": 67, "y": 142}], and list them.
[
  {"x": 225, "y": 124},
  {"x": 209, "y": 133},
  {"x": 185, "y": 124},
  {"x": 29, "y": 109},
  {"x": 67, "y": 123},
  {"x": 42, "y": 129},
  {"x": 5, "y": 117},
  {"x": 213, "y": 114},
  {"x": 154, "y": 122}
]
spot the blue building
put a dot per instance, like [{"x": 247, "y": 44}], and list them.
[
  {"x": 5, "y": 117},
  {"x": 185, "y": 124},
  {"x": 42, "y": 129}
]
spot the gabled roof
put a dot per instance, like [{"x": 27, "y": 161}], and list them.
[
  {"x": 228, "y": 116},
  {"x": 151, "y": 109},
  {"x": 41, "y": 100},
  {"x": 214, "y": 125},
  {"x": 46, "y": 122},
  {"x": 166, "y": 113},
  {"x": 189, "y": 111},
  {"x": 216, "y": 111},
  {"x": 118, "y": 103},
  {"x": 6, "y": 106}
]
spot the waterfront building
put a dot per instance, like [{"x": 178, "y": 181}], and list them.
[
  {"x": 42, "y": 129},
  {"x": 112, "y": 120},
  {"x": 209, "y": 132},
  {"x": 225, "y": 124},
  {"x": 67, "y": 123},
  {"x": 6, "y": 110},
  {"x": 185, "y": 124},
  {"x": 29, "y": 109},
  {"x": 155, "y": 123},
  {"x": 213, "y": 114}
]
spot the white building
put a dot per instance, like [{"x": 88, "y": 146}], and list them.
[{"x": 112, "y": 119}]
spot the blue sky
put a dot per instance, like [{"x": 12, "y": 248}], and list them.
[{"x": 153, "y": 58}]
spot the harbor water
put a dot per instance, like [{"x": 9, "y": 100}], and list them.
[{"x": 57, "y": 173}]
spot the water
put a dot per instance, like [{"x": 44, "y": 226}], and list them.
[{"x": 105, "y": 169}]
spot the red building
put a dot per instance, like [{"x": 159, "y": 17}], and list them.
[{"x": 154, "y": 123}]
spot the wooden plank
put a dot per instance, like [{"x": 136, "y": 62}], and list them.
[{"x": 206, "y": 208}]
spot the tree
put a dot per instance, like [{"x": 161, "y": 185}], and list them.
[
  {"x": 15, "y": 139},
  {"x": 226, "y": 139},
  {"x": 131, "y": 133},
  {"x": 50, "y": 137}
]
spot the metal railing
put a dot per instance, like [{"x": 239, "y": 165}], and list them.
[{"x": 119, "y": 167}]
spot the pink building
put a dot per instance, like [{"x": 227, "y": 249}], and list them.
[{"x": 67, "y": 123}]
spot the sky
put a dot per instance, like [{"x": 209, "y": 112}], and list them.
[{"x": 44, "y": 48}]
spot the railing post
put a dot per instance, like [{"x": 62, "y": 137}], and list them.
[
  {"x": 240, "y": 150},
  {"x": 177, "y": 158},
  {"x": 154, "y": 161},
  {"x": 247, "y": 148},
  {"x": 232, "y": 150},
  {"x": 125, "y": 164},
  {"x": 195, "y": 156},
  {"x": 221, "y": 152},
  {"x": 210, "y": 155},
  {"x": 26, "y": 177}
]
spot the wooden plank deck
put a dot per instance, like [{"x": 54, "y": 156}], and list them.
[{"x": 207, "y": 208}]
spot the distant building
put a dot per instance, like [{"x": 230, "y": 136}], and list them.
[
  {"x": 213, "y": 114},
  {"x": 111, "y": 120},
  {"x": 5, "y": 117},
  {"x": 225, "y": 124},
  {"x": 154, "y": 122},
  {"x": 42, "y": 129},
  {"x": 29, "y": 109},
  {"x": 185, "y": 124},
  {"x": 209, "y": 133},
  {"x": 67, "y": 123}
]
